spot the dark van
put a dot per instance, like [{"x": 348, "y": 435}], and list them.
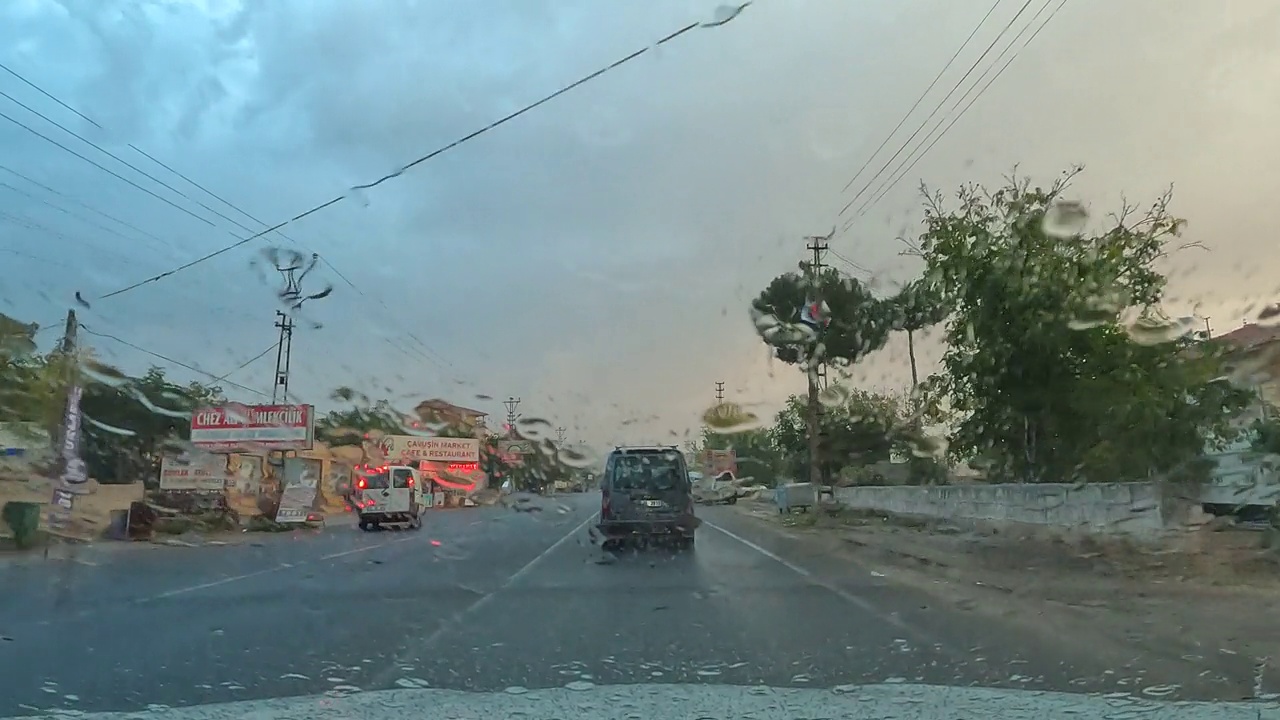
[{"x": 645, "y": 493}]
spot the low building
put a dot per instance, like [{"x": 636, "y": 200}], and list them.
[{"x": 440, "y": 413}]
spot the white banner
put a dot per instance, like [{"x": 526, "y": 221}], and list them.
[
  {"x": 412, "y": 448},
  {"x": 194, "y": 471}
]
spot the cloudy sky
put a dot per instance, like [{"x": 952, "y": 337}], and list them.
[{"x": 596, "y": 255}]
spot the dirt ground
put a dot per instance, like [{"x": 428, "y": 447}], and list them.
[
  {"x": 1208, "y": 592},
  {"x": 92, "y": 512}
]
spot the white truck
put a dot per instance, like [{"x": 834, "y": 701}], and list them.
[{"x": 388, "y": 495}]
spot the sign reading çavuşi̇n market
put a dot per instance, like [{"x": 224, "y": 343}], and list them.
[
  {"x": 437, "y": 449},
  {"x": 247, "y": 427}
]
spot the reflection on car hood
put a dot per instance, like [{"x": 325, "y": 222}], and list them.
[{"x": 583, "y": 701}]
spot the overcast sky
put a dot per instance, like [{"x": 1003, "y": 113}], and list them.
[{"x": 596, "y": 255}]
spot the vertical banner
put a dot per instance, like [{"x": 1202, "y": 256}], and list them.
[{"x": 73, "y": 476}]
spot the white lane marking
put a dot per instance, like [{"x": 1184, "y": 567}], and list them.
[
  {"x": 815, "y": 580},
  {"x": 366, "y": 548},
  {"x": 256, "y": 573},
  {"x": 214, "y": 583},
  {"x": 452, "y": 622},
  {"x": 529, "y": 566}
]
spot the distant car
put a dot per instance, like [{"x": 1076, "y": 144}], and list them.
[{"x": 645, "y": 494}]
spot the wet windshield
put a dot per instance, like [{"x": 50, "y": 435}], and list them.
[{"x": 574, "y": 359}]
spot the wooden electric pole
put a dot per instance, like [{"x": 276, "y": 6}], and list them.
[{"x": 816, "y": 368}]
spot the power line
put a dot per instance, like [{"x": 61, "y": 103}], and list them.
[
  {"x": 432, "y": 154},
  {"x": 880, "y": 172},
  {"x": 435, "y": 359},
  {"x": 91, "y": 209},
  {"x": 248, "y": 362},
  {"x": 103, "y": 168},
  {"x": 916, "y": 155},
  {"x": 171, "y": 361},
  {"x": 317, "y": 208},
  {"x": 924, "y": 94}
]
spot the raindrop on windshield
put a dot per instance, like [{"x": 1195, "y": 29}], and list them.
[
  {"x": 728, "y": 418},
  {"x": 1065, "y": 219}
]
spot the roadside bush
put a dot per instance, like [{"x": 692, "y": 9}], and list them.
[
  {"x": 23, "y": 520},
  {"x": 926, "y": 471}
]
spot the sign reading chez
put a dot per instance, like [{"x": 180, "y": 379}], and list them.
[{"x": 397, "y": 448}]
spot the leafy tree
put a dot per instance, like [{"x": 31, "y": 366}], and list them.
[
  {"x": 859, "y": 322},
  {"x": 350, "y": 426},
  {"x": 1046, "y": 382},
  {"x": 127, "y": 426},
  {"x": 23, "y": 395},
  {"x": 17, "y": 339},
  {"x": 757, "y": 454},
  {"x": 856, "y": 324},
  {"x": 861, "y": 430},
  {"x": 917, "y": 305}
]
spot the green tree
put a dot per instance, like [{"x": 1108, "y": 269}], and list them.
[
  {"x": 918, "y": 305},
  {"x": 1045, "y": 381},
  {"x": 128, "y": 425},
  {"x": 862, "y": 429},
  {"x": 859, "y": 322},
  {"x": 24, "y": 391},
  {"x": 756, "y": 453},
  {"x": 351, "y": 426}
]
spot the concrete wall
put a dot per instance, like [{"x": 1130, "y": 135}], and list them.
[{"x": 1129, "y": 508}]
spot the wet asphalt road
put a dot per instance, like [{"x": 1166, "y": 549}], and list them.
[{"x": 488, "y": 599}]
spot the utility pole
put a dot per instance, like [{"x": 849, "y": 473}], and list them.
[
  {"x": 284, "y": 351},
  {"x": 291, "y": 295},
  {"x": 511, "y": 403},
  {"x": 816, "y": 370},
  {"x": 71, "y": 477},
  {"x": 719, "y": 392}
]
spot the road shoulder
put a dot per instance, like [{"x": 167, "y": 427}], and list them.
[{"x": 1111, "y": 597}]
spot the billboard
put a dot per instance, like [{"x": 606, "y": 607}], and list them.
[
  {"x": 715, "y": 462},
  {"x": 412, "y": 448},
  {"x": 194, "y": 471},
  {"x": 513, "y": 451},
  {"x": 233, "y": 427},
  {"x": 301, "y": 480}
]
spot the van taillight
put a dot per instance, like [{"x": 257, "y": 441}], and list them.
[
  {"x": 360, "y": 483},
  {"x": 410, "y": 482},
  {"x": 604, "y": 504}
]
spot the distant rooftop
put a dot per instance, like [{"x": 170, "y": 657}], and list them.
[
  {"x": 1250, "y": 335},
  {"x": 439, "y": 405}
]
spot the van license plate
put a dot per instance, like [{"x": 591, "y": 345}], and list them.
[{"x": 653, "y": 503}]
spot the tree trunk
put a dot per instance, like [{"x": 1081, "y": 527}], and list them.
[
  {"x": 911, "y": 353},
  {"x": 813, "y": 420}
]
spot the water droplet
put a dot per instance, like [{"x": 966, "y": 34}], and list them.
[
  {"x": 1065, "y": 219},
  {"x": 725, "y": 13},
  {"x": 575, "y": 457},
  {"x": 359, "y": 196},
  {"x": 1154, "y": 329},
  {"x": 1269, "y": 316},
  {"x": 728, "y": 418},
  {"x": 108, "y": 428},
  {"x": 833, "y": 395}
]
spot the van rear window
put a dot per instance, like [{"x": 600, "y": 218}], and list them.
[
  {"x": 376, "y": 481},
  {"x": 649, "y": 471}
]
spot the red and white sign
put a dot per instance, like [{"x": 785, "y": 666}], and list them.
[
  {"x": 234, "y": 426},
  {"x": 410, "y": 448}
]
